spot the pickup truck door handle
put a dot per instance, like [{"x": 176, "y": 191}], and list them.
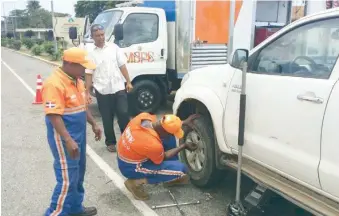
[
  {"x": 162, "y": 52},
  {"x": 310, "y": 98}
]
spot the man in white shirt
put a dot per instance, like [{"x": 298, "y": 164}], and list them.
[{"x": 108, "y": 80}]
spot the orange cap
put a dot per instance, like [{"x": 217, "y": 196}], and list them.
[
  {"x": 79, "y": 56},
  {"x": 172, "y": 124}
]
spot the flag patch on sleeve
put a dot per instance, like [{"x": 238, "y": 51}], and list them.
[{"x": 50, "y": 104}]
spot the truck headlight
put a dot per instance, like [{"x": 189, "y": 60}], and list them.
[{"x": 184, "y": 79}]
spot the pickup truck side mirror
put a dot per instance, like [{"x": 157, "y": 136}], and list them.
[
  {"x": 118, "y": 32},
  {"x": 240, "y": 56},
  {"x": 72, "y": 33}
]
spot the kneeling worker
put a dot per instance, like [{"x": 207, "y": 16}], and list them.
[{"x": 147, "y": 153}]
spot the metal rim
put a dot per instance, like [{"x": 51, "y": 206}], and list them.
[
  {"x": 196, "y": 159},
  {"x": 145, "y": 98}
]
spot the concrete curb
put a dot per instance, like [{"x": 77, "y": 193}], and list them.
[{"x": 34, "y": 57}]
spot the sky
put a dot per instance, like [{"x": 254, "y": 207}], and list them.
[{"x": 62, "y": 6}]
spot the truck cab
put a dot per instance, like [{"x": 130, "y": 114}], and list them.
[{"x": 143, "y": 38}]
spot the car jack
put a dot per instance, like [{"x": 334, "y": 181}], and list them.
[
  {"x": 236, "y": 208},
  {"x": 252, "y": 203}
]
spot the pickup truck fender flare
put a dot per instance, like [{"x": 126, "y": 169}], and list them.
[{"x": 212, "y": 103}]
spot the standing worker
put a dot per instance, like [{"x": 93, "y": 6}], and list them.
[
  {"x": 66, "y": 112},
  {"x": 109, "y": 84},
  {"x": 147, "y": 152}
]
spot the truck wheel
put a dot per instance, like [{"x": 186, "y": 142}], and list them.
[
  {"x": 145, "y": 97},
  {"x": 201, "y": 162}
]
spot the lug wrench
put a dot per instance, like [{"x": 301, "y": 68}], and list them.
[
  {"x": 176, "y": 202},
  {"x": 172, "y": 205}
]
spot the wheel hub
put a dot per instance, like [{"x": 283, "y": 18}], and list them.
[
  {"x": 145, "y": 98},
  {"x": 196, "y": 159}
]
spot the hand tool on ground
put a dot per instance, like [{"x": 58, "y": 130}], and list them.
[
  {"x": 176, "y": 202},
  {"x": 172, "y": 205}
]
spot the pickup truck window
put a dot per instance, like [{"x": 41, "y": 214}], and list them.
[
  {"x": 309, "y": 51},
  {"x": 140, "y": 28}
]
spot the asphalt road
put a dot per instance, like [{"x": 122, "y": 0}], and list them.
[{"x": 27, "y": 169}]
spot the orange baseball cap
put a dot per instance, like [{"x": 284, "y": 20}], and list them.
[
  {"x": 79, "y": 56},
  {"x": 172, "y": 124}
]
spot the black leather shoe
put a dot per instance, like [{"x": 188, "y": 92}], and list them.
[{"x": 90, "y": 211}]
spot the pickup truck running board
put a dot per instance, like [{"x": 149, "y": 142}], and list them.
[{"x": 299, "y": 195}]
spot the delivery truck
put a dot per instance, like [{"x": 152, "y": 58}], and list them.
[{"x": 163, "y": 40}]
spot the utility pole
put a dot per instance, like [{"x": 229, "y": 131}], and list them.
[
  {"x": 5, "y": 18},
  {"x": 54, "y": 37},
  {"x": 15, "y": 20}
]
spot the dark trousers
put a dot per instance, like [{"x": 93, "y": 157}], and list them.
[{"x": 109, "y": 105}]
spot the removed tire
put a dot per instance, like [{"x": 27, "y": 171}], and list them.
[
  {"x": 145, "y": 97},
  {"x": 201, "y": 162}
]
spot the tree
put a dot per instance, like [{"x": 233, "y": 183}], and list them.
[
  {"x": 93, "y": 8},
  {"x": 34, "y": 16},
  {"x": 33, "y": 6},
  {"x": 20, "y": 18}
]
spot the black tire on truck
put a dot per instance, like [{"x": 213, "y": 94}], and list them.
[
  {"x": 209, "y": 175},
  {"x": 145, "y": 97}
]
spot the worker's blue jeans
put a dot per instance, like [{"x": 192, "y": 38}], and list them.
[
  {"x": 69, "y": 192},
  {"x": 168, "y": 170}
]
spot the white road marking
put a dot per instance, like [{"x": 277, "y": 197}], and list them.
[
  {"x": 116, "y": 178},
  {"x": 19, "y": 78}
]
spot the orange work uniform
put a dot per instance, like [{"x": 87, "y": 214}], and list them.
[
  {"x": 141, "y": 153},
  {"x": 65, "y": 96}
]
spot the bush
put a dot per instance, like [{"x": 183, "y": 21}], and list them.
[
  {"x": 49, "y": 48},
  {"x": 10, "y": 42},
  {"x": 62, "y": 44},
  {"x": 10, "y": 35},
  {"x": 16, "y": 45},
  {"x": 56, "y": 56},
  {"x": 4, "y": 42},
  {"x": 37, "y": 49},
  {"x": 29, "y": 33},
  {"x": 39, "y": 41},
  {"x": 28, "y": 43}
]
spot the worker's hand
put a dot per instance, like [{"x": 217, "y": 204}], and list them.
[
  {"x": 97, "y": 131},
  {"x": 88, "y": 98},
  {"x": 72, "y": 148},
  {"x": 129, "y": 87},
  {"x": 189, "y": 121},
  {"x": 191, "y": 146}
]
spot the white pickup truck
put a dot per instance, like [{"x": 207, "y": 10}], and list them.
[{"x": 292, "y": 114}]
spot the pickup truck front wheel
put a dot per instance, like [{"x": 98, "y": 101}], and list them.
[{"x": 201, "y": 162}]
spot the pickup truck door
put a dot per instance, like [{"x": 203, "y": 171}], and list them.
[
  {"x": 145, "y": 41},
  {"x": 288, "y": 85},
  {"x": 329, "y": 164}
]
